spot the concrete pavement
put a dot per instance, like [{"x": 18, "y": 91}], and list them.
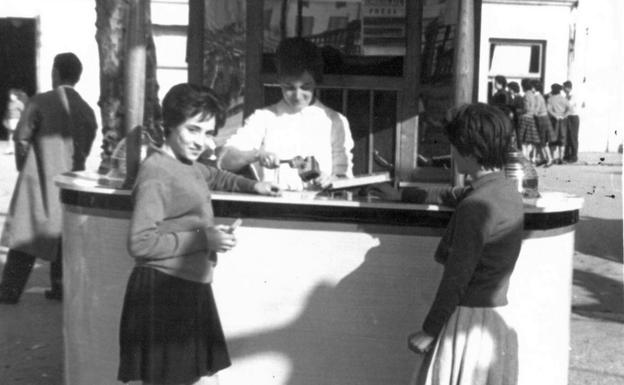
[{"x": 31, "y": 351}]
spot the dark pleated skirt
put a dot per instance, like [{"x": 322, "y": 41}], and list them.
[
  {"x": 527, "y": 130},
  {"x": 545, "y": 129},
  {"x": 170, "y": 330}
]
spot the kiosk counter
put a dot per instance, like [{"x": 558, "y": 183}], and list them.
[{"x": 318, "y": 290}]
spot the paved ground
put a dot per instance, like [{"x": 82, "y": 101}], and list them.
[{"x": 31, "y": 350}]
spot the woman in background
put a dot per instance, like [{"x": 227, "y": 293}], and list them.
[
  {"x": 544, "y": 127},
  {"x": 527, "y": 129}
]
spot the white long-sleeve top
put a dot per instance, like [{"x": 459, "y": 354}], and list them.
[{"x": 317, "y": 131}]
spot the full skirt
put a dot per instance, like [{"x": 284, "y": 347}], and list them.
[
  {"x": 527, "y": 130},
  {"x": 170, "y": 330},
  {"x": 475, "y": 347}
]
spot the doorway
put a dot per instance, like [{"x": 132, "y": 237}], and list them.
[{"x": 17, "y": 59}]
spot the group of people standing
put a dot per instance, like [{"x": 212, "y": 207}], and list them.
[{"x": 546, "y": 125}]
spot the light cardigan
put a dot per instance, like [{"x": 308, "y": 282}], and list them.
[
  {"x": 172, "y": 208},
  {"x": 316, "y": 130}
]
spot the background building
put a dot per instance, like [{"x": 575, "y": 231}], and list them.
[{"x": 554, "y": 40}]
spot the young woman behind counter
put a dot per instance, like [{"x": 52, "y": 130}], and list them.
[
  {"x": 298, "y": 125},
  {"x": 170, "y": 329}
]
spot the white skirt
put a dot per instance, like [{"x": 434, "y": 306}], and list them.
[{"x": 475, "y": 347}]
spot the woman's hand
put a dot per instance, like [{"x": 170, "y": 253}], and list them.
[
  {"x": 420, "y": 342},
  {"x": 323, "y": 180},
  {"x": 268, "y": 159},
  {"x": 266, "y": 188},
  {"x": 219, "y": 238},
  {"x": 384, "y": 191}
]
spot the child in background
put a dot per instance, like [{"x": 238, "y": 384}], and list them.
[
  {"x": 15, "y": 107},
  {"x": 516, "y": 104},
  {"x": 557, "y": 106},
  {"x": 464, "y": 335},
  {"x": 527, "y": 128},
  {"x": 544, "y": 127}
]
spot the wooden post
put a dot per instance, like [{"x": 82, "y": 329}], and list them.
[
  {"x": 464, "y": 63},
  {"x": 134, "y": 85},
  {"x": 195, "y": 41},
  {"x": 253, "y": 56},
  {"x": 407, "y": 133}
]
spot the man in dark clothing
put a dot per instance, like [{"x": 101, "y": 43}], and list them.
[{"x": 53, "y": 136}]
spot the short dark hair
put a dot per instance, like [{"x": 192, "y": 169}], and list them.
[
  {"x": 514, "y": 87},
  {"x": 555, "y": 89},
  {"x": 526, "y": 84},
  {"x": 186, "y": 100},
  {"x": 68, "y": 66},
  {"x": 500, "y": 79},
  {"x": 567, "y": 84},
  {"x": 538, "y": 85},
  {"x": 296, "y": 55},
  {"x": 482, "y": 131}
]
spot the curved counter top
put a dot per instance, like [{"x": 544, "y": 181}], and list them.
[{"x": 551, "y": 210}]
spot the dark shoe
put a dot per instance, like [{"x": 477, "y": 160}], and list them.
[
  {"x": 54, "y": 294},
  {"x": 8, "y": 297}
]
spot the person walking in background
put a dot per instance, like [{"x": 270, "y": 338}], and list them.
[
  {"x": 15, "y": 107},
  {"x": 53, "y": 136},
  {"x": 516, "y": 104},
  {"x": 542, "y": 121},
  {"x": 571, "y": 145},
  {"x": 557, "y": 106},
  {"x": 501, "y": 97},
  {"x": 170, "y": 331}
]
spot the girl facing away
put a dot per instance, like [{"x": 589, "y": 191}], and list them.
[
  {"x": 170, "y": 330},
  {"x": 464, "y": 337}
]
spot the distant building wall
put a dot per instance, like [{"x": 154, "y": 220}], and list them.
[
  {"x": 527, "y": 22},
  {"x": 597, "y": 73},
  {"x": 595, "y": 65}
]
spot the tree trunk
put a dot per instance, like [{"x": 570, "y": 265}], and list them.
[{"x": 111, "y": 24}]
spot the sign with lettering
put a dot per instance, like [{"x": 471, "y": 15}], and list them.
[{"x": 383, "y": 27}]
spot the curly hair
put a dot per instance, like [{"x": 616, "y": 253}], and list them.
[
  {"x": 296, "y": 55},
  {"x": 483, "y": 132}
]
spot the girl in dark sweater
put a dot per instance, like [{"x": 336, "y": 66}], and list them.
[
  {"x": 170, "y": 330},
  {"x": 464, "y": 336}
]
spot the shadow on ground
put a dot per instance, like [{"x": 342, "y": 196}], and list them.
[
  {"x": 607, "y": 295},
  {"x": 600, "y": 237}
]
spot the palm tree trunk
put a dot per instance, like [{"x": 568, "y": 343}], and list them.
[{"x": 111, "y": 36}]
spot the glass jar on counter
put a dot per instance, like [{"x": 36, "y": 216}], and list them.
[{"x": 519, "y": 168}]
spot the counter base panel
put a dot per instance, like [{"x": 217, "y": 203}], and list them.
[{"x": 313, "y": 302}]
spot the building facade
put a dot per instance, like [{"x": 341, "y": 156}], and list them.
[{"x": 553, "y": 40}]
